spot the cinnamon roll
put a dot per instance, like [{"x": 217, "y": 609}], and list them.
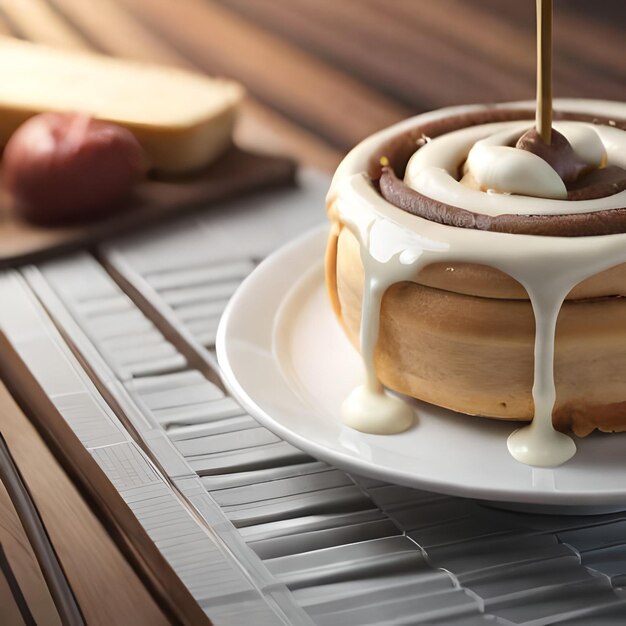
[{"x": 480, "y": 271}]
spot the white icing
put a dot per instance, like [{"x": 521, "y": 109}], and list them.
[
  {"x": 432, "y": 170},
  {"x": 494, "y": 165},
  {"x": 395, "y": 246},
  {"x": 374, "y": 411},
  {"x": 540, "y": 444},
  {"x": 586, "y": 142},
  {"x": 368, "y": 408}
]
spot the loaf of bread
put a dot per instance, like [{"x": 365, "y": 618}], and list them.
[{"x": 183, "y": 120}]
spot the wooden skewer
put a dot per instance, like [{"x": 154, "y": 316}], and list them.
[{"x": 544, "y": 70}]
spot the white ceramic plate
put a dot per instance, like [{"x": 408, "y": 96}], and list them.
[{"x": 287, "y": 361}]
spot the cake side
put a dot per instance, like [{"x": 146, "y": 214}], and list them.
[{"x": 474, "y": 355}]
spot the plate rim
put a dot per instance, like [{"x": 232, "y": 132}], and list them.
[{"x": 355, "y": 464}]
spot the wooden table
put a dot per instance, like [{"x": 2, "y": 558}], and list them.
[{"x": 323, "y": 74}]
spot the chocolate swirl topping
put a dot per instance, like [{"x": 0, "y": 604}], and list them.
[{"x": 389, "y": 163}]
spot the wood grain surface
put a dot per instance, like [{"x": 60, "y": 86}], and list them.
[
  {"x": 79, "y": 539},
  {"x": 19, "y": 563},
  {"x": 103, "y": 550},
  {"x": 323, "y": 74}
]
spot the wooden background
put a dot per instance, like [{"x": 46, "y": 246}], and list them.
[{"x": 323, "y": 74}]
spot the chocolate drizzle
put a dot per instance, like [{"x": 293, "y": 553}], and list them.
[
  {"x": 559, "y": 154},
  {"x": 388, "y": 165},
  {"x": 607, "y": 222}
]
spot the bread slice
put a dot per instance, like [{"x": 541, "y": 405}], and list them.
[{"x": 182, "y": 119}]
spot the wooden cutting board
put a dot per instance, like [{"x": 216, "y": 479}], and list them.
[{"x": 155, "y": 200}]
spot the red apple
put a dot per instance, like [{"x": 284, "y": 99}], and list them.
[{"x": 69, "y": 167}]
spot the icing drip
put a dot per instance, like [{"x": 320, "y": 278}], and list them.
[
  {"x": 539, "y": 444},
  {"x": 368, "y": 408}
]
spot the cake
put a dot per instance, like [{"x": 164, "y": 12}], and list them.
[{"x": 476, "y": 275}]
